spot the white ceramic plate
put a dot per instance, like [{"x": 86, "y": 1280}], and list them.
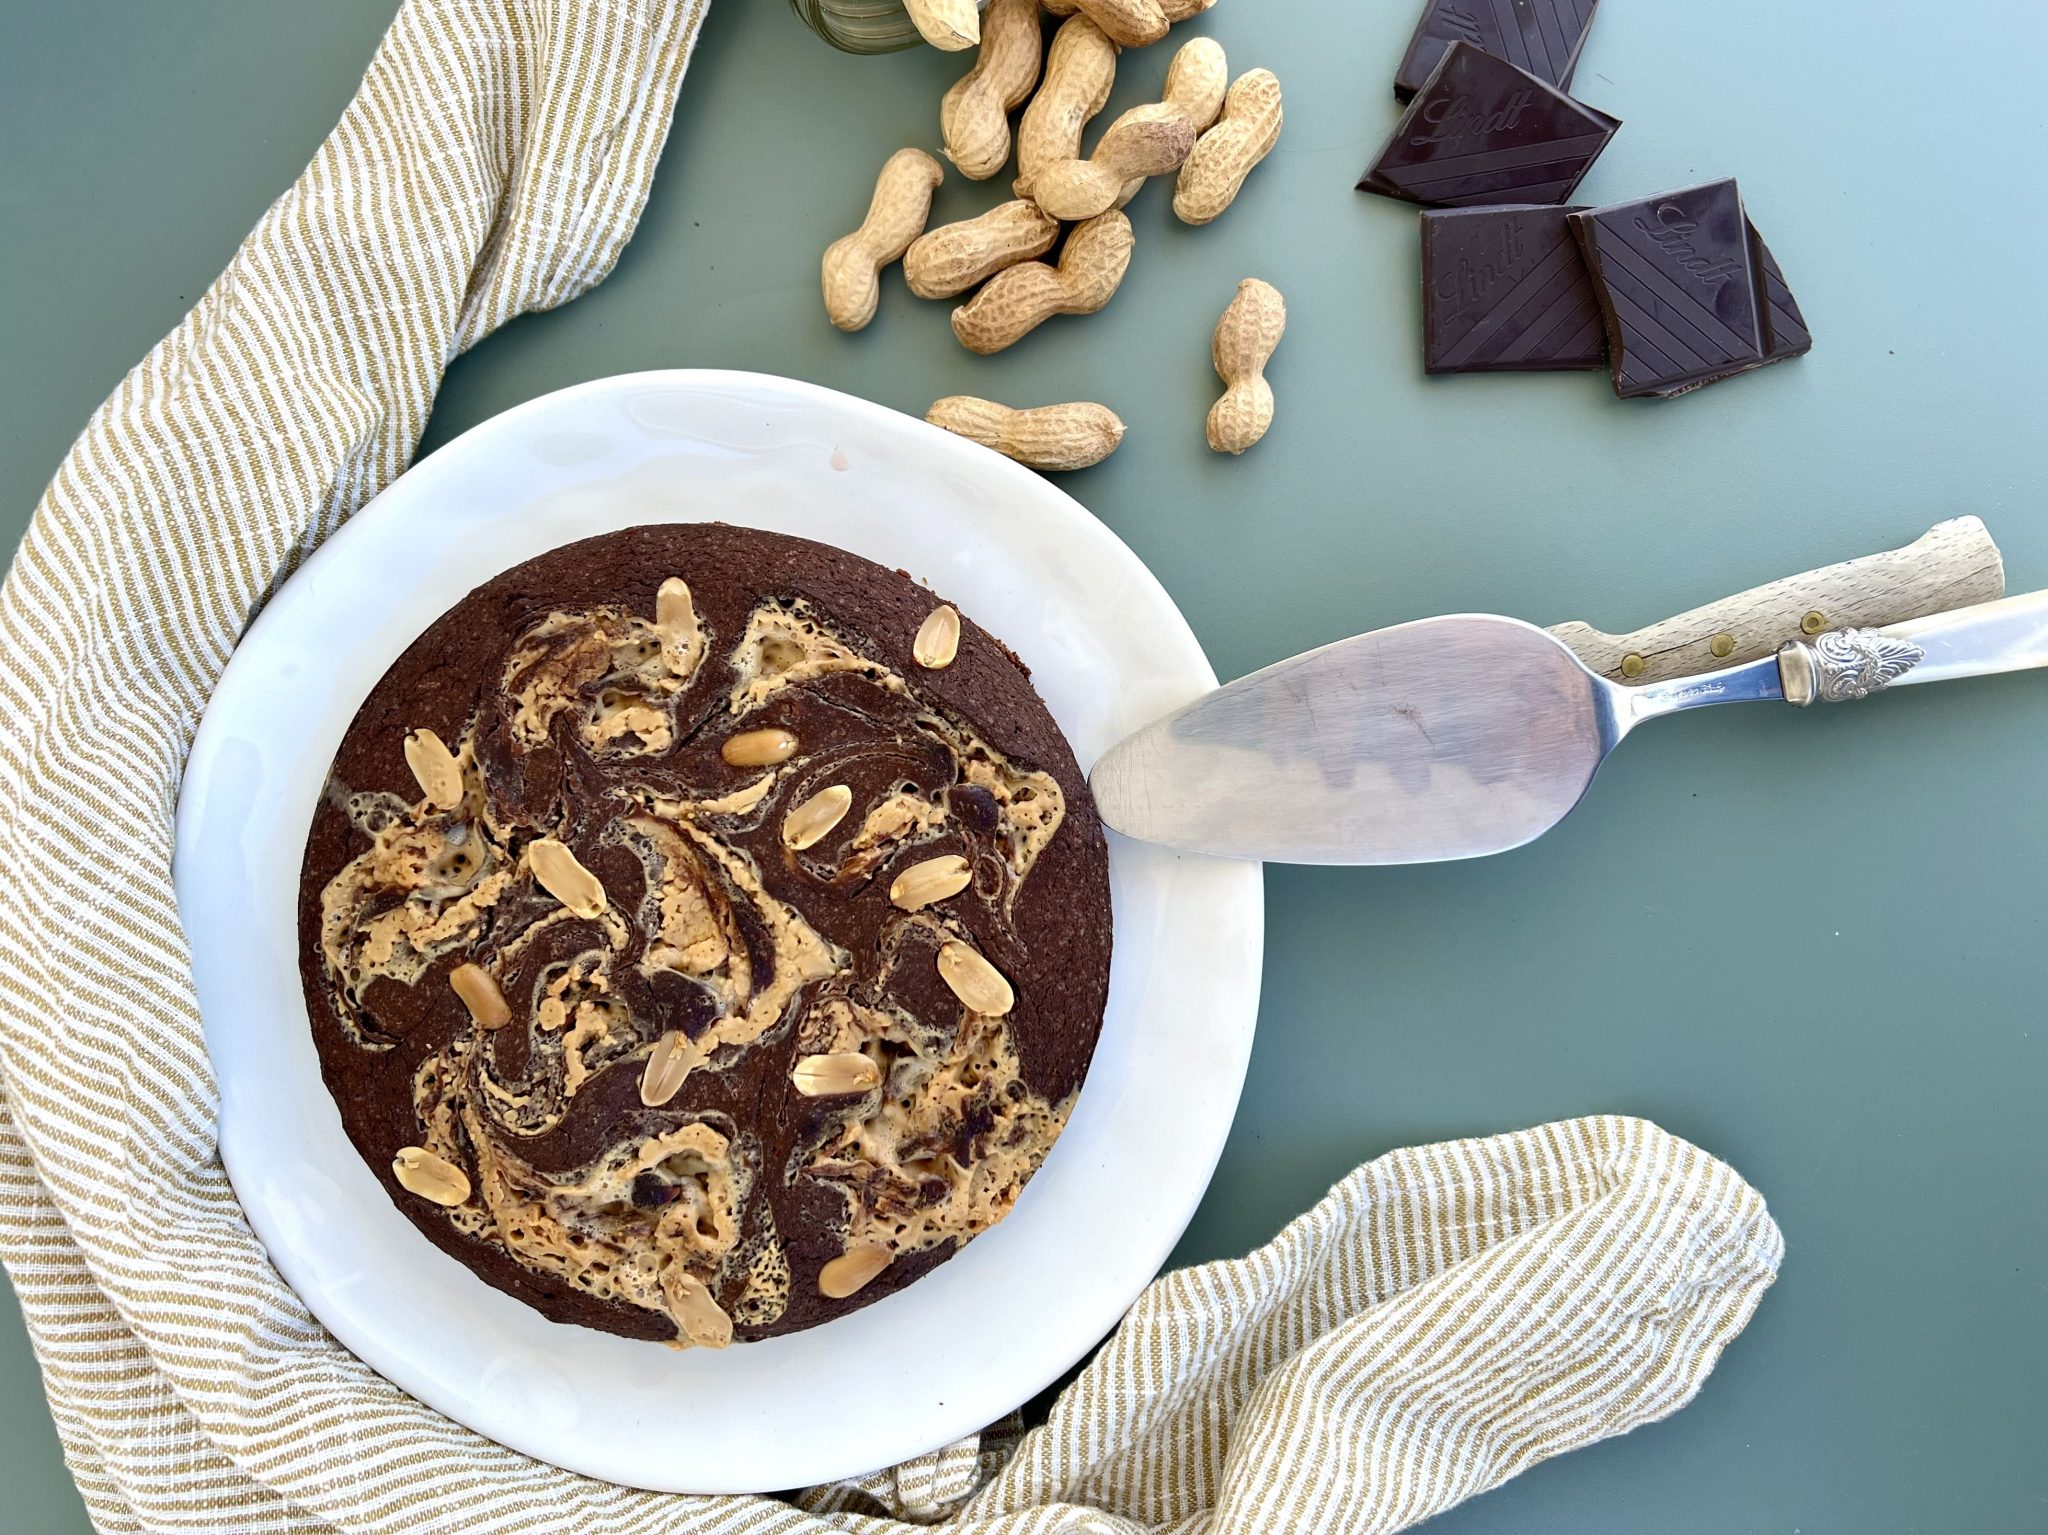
[{"x": 1108, "y": 650}]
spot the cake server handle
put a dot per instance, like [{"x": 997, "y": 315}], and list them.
[
  {"x": 2006, "y": 636},
  {"x": 1952, "y": 565}
]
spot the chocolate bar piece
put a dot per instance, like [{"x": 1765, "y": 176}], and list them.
[
  {"x": 1689, "y": 293},
  {"x": 1482, "y": 131},
  {"x": 1785, "y": 333},
  {"x": 1541, "y": 36},
  {"x": 1505, "y": 290}
]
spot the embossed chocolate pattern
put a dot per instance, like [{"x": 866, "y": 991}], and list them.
[
  {"x": 586, "y": 700},
  {"x": 1541, "y": 36},
  {"x": 1684, "y": 290},
  {"x": 1505, "y": 289},
  {"x": 1481, "y": 132}
]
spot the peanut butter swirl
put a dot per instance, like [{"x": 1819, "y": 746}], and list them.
[{"x": 695, "y": 945}]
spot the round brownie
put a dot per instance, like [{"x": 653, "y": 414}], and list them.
[{"x": 705, "y": 932}]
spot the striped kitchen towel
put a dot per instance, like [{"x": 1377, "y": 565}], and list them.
[{"x": 1444, "y": 1318}]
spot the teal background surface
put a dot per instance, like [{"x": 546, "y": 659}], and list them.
[{"x": 1812, "y": 943}]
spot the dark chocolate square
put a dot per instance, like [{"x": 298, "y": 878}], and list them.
[
  {"x": 1482, "y": 131},
  {"x": 1785, "y": 333},
  {"x": 1541, "y": 36},
  {"x": 1678, "y": 283},
  {"x": 1505, "y": 290}
]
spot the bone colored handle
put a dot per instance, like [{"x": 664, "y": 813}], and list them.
[
  {"x": 1981, "y": 641},
  {"x": 1953, "y": 565}
]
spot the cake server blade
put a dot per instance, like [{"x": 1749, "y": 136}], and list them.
[
  {"x": 1460, "y": 736},
  {"x": 1444, "y": 738}
]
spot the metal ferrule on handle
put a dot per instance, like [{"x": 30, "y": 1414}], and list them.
[{"x": 2010, "y": 635}]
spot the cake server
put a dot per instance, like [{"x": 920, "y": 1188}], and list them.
[{"x": 1460, "y": 736}]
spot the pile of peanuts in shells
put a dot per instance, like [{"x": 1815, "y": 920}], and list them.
[{"x": 1208, "y": 131}]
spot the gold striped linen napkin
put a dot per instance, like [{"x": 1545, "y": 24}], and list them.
[{"x": 1444, "y": 1318}]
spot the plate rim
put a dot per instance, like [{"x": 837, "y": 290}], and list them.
[{"x": 276, "y": 615}]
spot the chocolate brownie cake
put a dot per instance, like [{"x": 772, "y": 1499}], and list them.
[{"x": 705, "y": 932}]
